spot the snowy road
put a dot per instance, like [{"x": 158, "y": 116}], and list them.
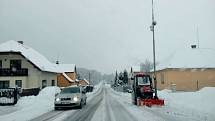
[
  {"x": 106, "y": 104},
  {"x": 49, "y": 116},
  {"x": 88, "y": 111},
  {"x": 102, "y": 107},
  {"x": 111, "y": 110}
]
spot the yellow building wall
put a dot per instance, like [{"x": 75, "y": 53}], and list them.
[{"x": 186, "y": 79}]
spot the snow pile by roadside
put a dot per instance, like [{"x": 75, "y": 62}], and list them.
[
  {"x": 32, "y": 106},
  {"x": 198, "y": 104}
]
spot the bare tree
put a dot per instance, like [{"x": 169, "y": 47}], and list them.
[{"x": 146, "y": 66}]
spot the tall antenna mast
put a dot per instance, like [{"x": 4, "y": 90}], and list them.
[
  {"x": 197, "y": 36},
  {"x": 154, "y": 60},
  {"x": 57, "y": 61}
]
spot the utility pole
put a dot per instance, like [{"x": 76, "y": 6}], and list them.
[
  {"x": 154, "y": 60},
  {"x": 89, "y": 76}
]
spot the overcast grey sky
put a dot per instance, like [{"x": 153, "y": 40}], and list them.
[{"x": 106, "y": 34}]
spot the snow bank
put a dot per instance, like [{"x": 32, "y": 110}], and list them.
[
  {"x": 32, "y": 106},
  {"x": 198, "y": 104}
]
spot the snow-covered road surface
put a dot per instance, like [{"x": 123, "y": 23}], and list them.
[
  {"x": 49, "y": 116},
  {"x": 88, "y": 111},
  {"x": 101, "y": 107},
  {"x": 106, "y": 104},
  {"x": 111, "y": 110}
]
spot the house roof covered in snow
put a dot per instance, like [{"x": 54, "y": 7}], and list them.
[
  {"x": 87, "y": 81},
  {"x": 189, "y": 58},
  {"x": 66, "y": 67},
  {"x": 33, "y": 56},
  {"x": 83, "y": 80},
  {"x": 68, "y": 78}
]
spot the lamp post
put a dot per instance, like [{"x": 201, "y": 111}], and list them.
[{"x": 154, "y": 60}]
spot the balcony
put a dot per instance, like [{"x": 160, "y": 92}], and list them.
[{"x": 10, "y": 72}]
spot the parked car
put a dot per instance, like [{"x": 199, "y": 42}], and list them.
[
  {"x": 129, "y": 90},
  {"x": 89, "y": 88},
  {"x": 69, "y": 97}
]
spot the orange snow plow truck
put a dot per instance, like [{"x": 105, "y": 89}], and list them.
[{"x": 143, "y": 92}]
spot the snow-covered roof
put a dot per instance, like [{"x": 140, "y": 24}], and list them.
[
  {"x": 189, "y": 58},
  {"x": 87, "y": 81},
  {"x": 67, "y": 77},
  {"x": 66, "y": 67},
  {"x": 83, "y": 80},
  {"x": 33, "y": 56}
]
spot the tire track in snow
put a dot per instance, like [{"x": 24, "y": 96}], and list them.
[
  {"x": 119, "y": 111},
  {"x": 88, "y": 111},
  {"x": 109, "y": 113},
  {"x": 49, "y": 116}
]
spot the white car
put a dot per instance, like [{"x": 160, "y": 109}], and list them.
[{"x": 69, "y": 97}]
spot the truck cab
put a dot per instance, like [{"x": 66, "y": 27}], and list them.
[{"x": 142, "y": 87}]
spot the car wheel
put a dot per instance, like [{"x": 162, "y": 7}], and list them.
[
  {"x": 85, "y": 102},
  {"x": 80, "y": 106}
]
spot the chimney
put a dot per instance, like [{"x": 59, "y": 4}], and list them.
[
  {"x": 57, "y": 62},
  {"x": 193, "y": 46},
  {"x": 20, "y": 42}
]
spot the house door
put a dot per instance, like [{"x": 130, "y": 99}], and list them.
[{"x": 4, "y": 84}]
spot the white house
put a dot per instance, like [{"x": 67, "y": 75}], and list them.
[{"x": 23, "y": 66}]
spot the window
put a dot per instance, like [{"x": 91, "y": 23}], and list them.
[
  {"x": 0, "y": 63},
  {"x": 71, "y": 90},
  {"x": 53, "y": 82},
  {"x": 44, "y": 83},
  {"x": 162, "y": 78},
  {"x": 19, "y": 83},
  {"x": 4, "y": 84},
  {"x": 15, "y": 64},
  {"x": 143, "y": 80}
]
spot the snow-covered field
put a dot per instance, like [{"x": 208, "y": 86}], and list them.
[{"x": 179, "y": 106}]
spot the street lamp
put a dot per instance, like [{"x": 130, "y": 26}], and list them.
[{"x": 153, "y": 38}]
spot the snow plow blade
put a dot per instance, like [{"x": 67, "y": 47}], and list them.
[{"x": 150, "y": 102}]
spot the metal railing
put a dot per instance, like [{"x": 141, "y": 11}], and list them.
[
  {"x": 10, "y": 72},
  {"x": 9, "y": 96}
]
